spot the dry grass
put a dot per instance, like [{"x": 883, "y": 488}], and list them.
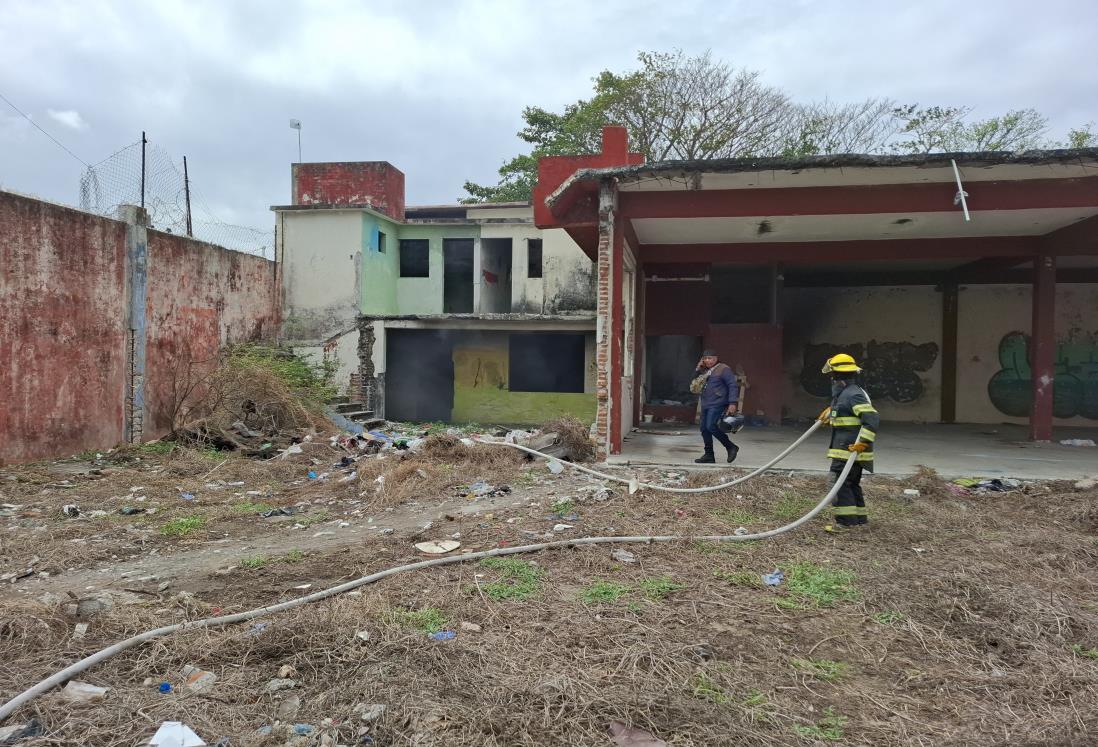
[
  {"x": 941, "y": 637},
  {"x": 575, "y": 435}
]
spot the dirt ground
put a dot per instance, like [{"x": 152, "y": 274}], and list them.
[{"x": 953, "y": 618}]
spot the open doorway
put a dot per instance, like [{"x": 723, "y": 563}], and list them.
[
  {"x": 495, "y": 270},
  {"x": 457, "y": 277},
  {"x": 419, "y": 380}
]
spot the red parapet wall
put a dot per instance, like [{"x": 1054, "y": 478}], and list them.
[
  {"x": 378, "y": 184},
  {"x": 62, "y": 330}
]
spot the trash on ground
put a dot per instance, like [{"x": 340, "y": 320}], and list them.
[
  {"x": 291, "y": 450},
  {"x": 370, "y": 711},
  {"x": 286, "y": 511},
  {"x": 623, "y": 556},
  {"x": 198, "y": 679},
  {"x": 561, "y": 527},
  {"x": 304, "y": 730},
  {"x": 288, "y": 707},
  {"x": 1078, "y": 442},
  {"x": 281, "y": 683},
  {"x": 286, "y": 671},
  {"x": 175, "y": 734},
  {"x": 624, "y": 735},
  {"x": 443, "y": 635},
  {"x": 83, "y": 692},
  {"x": 437, "y": 547},
  {"x": 740, "y": 531},
  {"x": 165, "y": 687},
  {"x": 131, "y": 510},
  {"x": 17, "y": 732},
  {"x": 187, "y": 496},
  {"x": 556, "y": 467},
  {"x": 912, "y": 493},
  {"x": 984, "y": 485},
  {"x": 470, "y": 627},
  {"x": 71, "y": 510},
  {"x": 363, "y": 636},
  {"x": 258, "y": 628},
  {"x": 1087, "y": 483},
  {"x": 773, "y": 578}
]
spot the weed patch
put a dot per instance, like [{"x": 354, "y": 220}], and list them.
[
  {"x": 183, "y": 526},
  {"x": 890, "y": 617},
  {"x": 426, "y": 620},
  {"x": 293, "y": 556},
  {"x": 824, "y": 670},
  {"x": 817, "y": 586},
  {"x": 828, "y": 729},
  {"x": 1089, "y": 653},
  {"x": 252, "y": 508},
  {"x": 792, "y": 506},
  {"x": 563, "y": 507},
  {"x": 704, "y": 688},
  {"x": 736, "y": 517},
  {"x": 157, "y": 447},
  {"x": 603, "y": 591},
  {"x": 520, "y": 580},
  {"x": 254, "y": 562},
  {"x": 740, "y": 578},
  {"x": 660, "y": 588}
]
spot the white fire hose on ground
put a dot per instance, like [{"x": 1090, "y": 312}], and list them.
[{"x": 211, "y": 622}]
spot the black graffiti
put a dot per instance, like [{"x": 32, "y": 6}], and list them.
[{"x": 890, "y": 369}]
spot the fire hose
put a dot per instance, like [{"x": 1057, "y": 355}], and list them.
[{"x": 88, "y": 662}]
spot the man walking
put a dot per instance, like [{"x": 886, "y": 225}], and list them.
[
  {"x": 719, "y": 395},
  {"x": 854, "y": 423}
]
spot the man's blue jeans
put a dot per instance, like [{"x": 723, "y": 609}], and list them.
[{"x": 710, "y": 416}]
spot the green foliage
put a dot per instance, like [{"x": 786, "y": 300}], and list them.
[
  {"x": 828, "y": 729},
  {"x": 563, "y": 507},
  {"x": 252, "y": 563},
  {"x": 740, "y": 578},
  {"x": 318, "y": 518},
  {"x": 157, "y": 447},
  {"x": 293, "y": 556},
  {"x": 520, "y": 580},
  {"x": 310, "y": 380},
  {"x": 890, "y": 617},
  {"x": 660, "y": 588},
  {"x": 822, "y": 669},
  {"x": 603, "y": 592},
  {"x": 736, "y": 517},
  {"x": 792, "y": 506},
  {"x": 183, "y": 525},
  {"x": 704, "y": 688},
  {"x": 248, "y": 507},
  {"x": 818, "y": 586},
  {"x": 1089, "y": 653},
  {"x": 427, "y": 620}
]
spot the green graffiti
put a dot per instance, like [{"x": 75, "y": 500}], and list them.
[{"x": 1074, "y": 388}]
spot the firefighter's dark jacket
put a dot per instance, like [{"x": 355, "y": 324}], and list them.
[{"x": 853, "y": 419}]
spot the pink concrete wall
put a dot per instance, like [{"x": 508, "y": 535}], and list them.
[
  {"x": 201, "y": 298},
  {"x": 62, "y": 330}
]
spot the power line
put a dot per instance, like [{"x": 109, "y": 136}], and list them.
[{"x": 51, "y": 137}]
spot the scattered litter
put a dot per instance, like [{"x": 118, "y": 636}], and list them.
[
  {"x": 278, "y": 512},
  {"x": 10, "y": 735},
  {"x": 919, "y": 550},
  {"x": 470, "y": 627},
  {"x": 363, "y": 636},
  {"x": 303, "y": 587},
  {"x": 1087, "y": 483},
  {"x": 187, "y": 496},
  {"x": 288, "y": 707},
  {"x": 623, "y": 556},
  {"x": 312, "y": 474},
  {"x": 632, "y": 736},
  {"x": 71, "y": 510},
  {"x": 370, "y": 711},
  {"x": 437, "y": 547},
  {"x": 175, "y": 734},
  {"x": 1078, "y": 442},
  {"x": 984, "y": 485},
  {"x": 740, "y": 531},
  {"x": 258, "y": 628},
  {"x": 634, "y": 485},
  {"x": 165, "y": 687},
  {"x": 286, "y": 671},
  {"x": 304, "y": 730},
  {"x": 912, "y": 492},
  {"x": 79, "y": 631},
  {"x": 282, "y": 683},
  {"x": 556, "y": 467},
  {"x": 773, "y": 578},
  {"x": 82, "y": 692},
  {"x": 561, "y": 527},
  {"x": 443, "y": 635},
  {"x": 290, "y": 450},
  {"x": 349, "y": 478},
  {"x": 131, "y": 510},
  {"x": 198, "y": 679}
]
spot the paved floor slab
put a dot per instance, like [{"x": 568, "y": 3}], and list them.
[{"x": 952, "y": 450}]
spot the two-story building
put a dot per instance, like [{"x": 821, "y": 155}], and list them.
[{"x": 464, "y": 313}]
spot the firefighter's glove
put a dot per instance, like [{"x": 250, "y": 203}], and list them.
[
  {"x": 858, "y": 447},
  {"x": 825, "y": 416}
]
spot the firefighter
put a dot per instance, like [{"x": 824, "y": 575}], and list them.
[{"x": 854, "y": 424}]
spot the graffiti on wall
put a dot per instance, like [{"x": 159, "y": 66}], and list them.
[
  {"x": 890, "y": 369},
  {"x": 1074, "y": 389}
]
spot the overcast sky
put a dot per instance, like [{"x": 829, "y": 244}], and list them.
[{"x": 437, "y": 88}]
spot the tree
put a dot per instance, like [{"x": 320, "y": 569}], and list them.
[{"x": 828, "y": 127}]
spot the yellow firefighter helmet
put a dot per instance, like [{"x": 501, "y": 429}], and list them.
[{"x": 841, "y": 363}]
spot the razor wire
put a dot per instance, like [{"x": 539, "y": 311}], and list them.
[{"x": 116, "y": 181}]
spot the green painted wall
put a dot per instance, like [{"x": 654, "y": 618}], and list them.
[
  {"x": 379, "y": 270},
  {"x": 424, "y": 295}
]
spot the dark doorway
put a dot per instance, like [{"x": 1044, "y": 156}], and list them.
[
  {"x": 495, "y": 267},
  {"x": 546, "y": 362},
  {"x": 669, "y": 359},
  {"x": 457, "y": 278},
  {"x": 419, "y": 375}
]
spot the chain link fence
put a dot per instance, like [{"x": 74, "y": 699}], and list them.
[{"x": 117, "y": 180}]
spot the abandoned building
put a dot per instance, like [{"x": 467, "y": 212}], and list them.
[
  {"x": 966, "y": 282},
  {"x": 463, "y": 313}
]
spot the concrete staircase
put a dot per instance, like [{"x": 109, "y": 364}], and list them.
[{"x": 355, "y": 411}]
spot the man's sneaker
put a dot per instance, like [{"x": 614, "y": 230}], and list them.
[
  {"x": 706, "y": 458},
  {"x": 733, "y": 453}
]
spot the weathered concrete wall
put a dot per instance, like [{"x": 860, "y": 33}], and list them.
[
  {"x": 897, "y": 331},
  {"x": 993, "y": 382},
  {"x": 568, "y": 277},
  {"x": 201, "y": 298},
  {"x": 320, "y": 255},
  {"x": 424, "y": 296},
  {"x": 62, "y": 330}
]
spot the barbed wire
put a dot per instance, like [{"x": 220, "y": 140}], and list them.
[{"x": 116, "y": 181}]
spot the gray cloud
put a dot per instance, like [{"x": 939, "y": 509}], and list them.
[{"x": 437, "y": 89}]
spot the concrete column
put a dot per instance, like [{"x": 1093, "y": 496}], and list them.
[
  {"x": 478, "y": 275},
  {"x": 604, "y": 414},
  {"x": 950, "y": 300},
  {"x": 137, "y": 282},
  {"x": 1043, "y": 347}
]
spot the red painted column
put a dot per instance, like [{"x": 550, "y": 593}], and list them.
[
  {"x": 1043, "y": 347},
  {"x": 617, "y": 333}
]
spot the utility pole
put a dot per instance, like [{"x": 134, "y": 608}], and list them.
[
  {"x": 295, "y": 124},
  {"x": 143, "y": 141},
  {"x": 187, "y": 192}
]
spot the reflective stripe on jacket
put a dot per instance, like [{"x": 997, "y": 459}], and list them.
[{"x": 853, "y": 420}]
